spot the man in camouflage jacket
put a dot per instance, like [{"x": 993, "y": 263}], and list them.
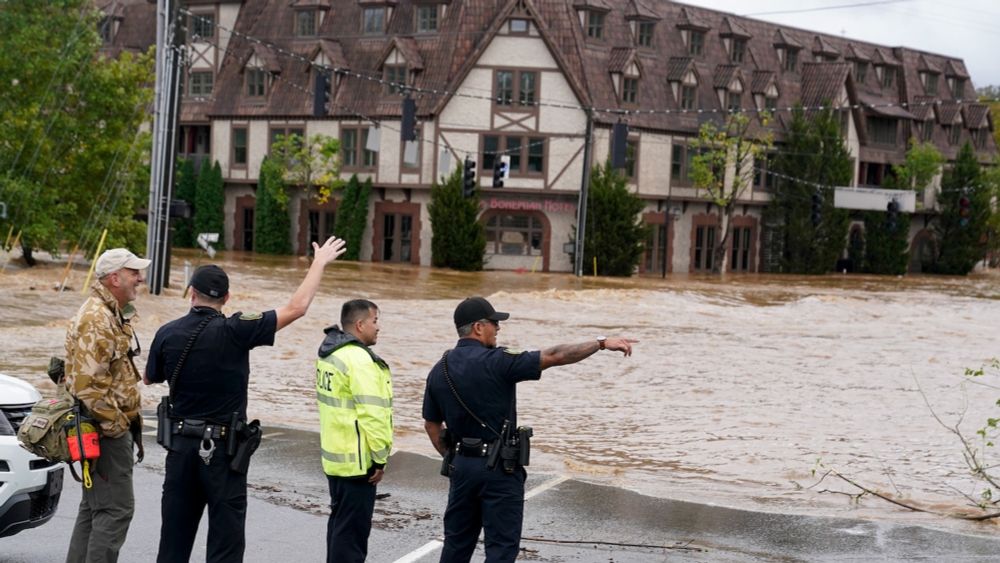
[{"x": 101, "y": 374}]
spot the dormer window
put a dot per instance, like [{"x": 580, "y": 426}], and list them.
[
  {"x": 630, "y": 89},
  {"x": 929, "y": 80},
  {"x": 373, "y": 20},
  {"x": 428, "y": 16},
  {"x": 860, "y": 71},
  {"x": 202, "y": 26},
  {"x": 256, "y": 82},
  {"x": 734, "y": 101},
  {"x": 886, "y": 75},
  {"x": 306, "y": 23},
  {"x": 737, "y": 49},
  {"x": 394, "y": 77},
  {"x": 595, "y": 24},
  {"x": 106, "y": 29},
  {"x": 696, "y": 42},
  {"x": 644, "y": 33},
  {"x": 517, "y": 25},
  {"x": 956, "y": 86},
  {"x": 789, "y": 58}
]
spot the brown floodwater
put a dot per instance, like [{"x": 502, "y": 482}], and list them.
[{"x": 738, "y": 390}]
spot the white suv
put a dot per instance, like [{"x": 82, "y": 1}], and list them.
[{"x": 29, "y": 485}]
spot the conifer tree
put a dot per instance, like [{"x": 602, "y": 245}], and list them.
[
  {"x": 615, "y": 233},
  {"x": 352, "y": 215},
  {"x": 187, "y": 185},
  {"x": 459, "y": 239},
  {"x": 271, "y": 232},
  {"x": 209, "y": 200},
  {"x": 964, "y": 206}
]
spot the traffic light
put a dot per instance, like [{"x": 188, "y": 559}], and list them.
[
  {"x": 408, "y": 124},
  {"x": 817, "y": 208},
  {"x": 893, "y": 209},
  {"x": 469, "y": 178},
  {"x": 321, "y": 94},
  {"x": 501, "y": 166},
  {"x": 964, "y": 210}
]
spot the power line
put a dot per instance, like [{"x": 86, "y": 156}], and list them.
[{"x": 825, "y": 8}]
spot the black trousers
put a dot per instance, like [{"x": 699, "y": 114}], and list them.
[
  {"x": 188, "y": 488},
  {"x": 483, "y": 499},
  {"x": 352, "y": 504}
]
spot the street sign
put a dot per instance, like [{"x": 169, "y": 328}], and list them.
[
  {"x": 873, "y": 199},
  {"x": 205, "y": 240}
]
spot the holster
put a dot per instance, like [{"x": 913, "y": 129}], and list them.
[
  {"x": 163, "y": 423},
  {"x": 449, "y": 456},
  {"x": 247, "y": 441}
]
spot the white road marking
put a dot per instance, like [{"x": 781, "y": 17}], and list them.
[
  {"x": 272, "y": 435},
  {"x": 434, "y": 545}
]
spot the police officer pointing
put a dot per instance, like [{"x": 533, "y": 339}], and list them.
[
  {"x": 470, "y": 412},
  {"x": 205, "y": 358}
]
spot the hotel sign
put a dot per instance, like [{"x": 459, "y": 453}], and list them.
[{"x": 545, "y": 205}]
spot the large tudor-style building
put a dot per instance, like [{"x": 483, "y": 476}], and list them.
[{"x": 515, "y": 76}]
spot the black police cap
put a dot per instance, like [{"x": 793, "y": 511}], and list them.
[
  {"x": 474, "y": 309},
  {"x": 210, "y": 280}
]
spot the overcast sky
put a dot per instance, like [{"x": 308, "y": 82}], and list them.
[{"x": 967, "y": 29}]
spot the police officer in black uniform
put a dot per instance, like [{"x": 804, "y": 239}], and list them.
[
  {"x": 483, "y": 377},
  {"x": 209, "y": 402}
]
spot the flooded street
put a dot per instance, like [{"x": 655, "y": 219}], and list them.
[{"x": 736, "y": 390}]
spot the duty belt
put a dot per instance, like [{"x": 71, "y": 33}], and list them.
[
  {"x": 195, "y": 428},
  {"x": 473, "y": 447}
]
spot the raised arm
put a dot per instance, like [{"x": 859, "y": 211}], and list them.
[
  {"x": 563, "y": 354},
  {"x": 303, "y": 296}
]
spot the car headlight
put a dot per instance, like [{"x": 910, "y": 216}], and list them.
[{"x": 5, "y": 427}]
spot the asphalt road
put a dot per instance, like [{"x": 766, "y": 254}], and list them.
[{"x": 288, "y": 503}]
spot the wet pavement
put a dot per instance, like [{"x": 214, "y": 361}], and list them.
[{"x": 565, "y": 520}]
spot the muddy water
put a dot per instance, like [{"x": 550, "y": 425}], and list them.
[{"x": 737, "y": 390}]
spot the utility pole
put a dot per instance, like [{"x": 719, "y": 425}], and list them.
[
  {"x": 169, "y": 42},
  {"x": 581, "y": 208}
]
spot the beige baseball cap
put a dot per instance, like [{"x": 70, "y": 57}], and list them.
[{"x": 117, "y": 258}]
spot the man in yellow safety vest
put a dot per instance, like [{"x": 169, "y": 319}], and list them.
[{"x": 354, "y": 396}]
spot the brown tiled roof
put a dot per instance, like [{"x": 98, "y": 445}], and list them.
[
  {"x": 639, "y": 9},
  {"x": 620, "y": 59},
  {"x": 724, "y": 75},
  {"x": 822, "y": 46},
  {"x": 922, "y": 107},
  {"x": 879, "y": 106},
  {"x": 822, "y": 82},
  {"x": 677, "y": 67},
  {"x": 855, "y": 53},
  {"x": 333, "y": 50},
  {"x": 732, "y": 28},
  {"x": 785, "y": 39},
  {"x": 266, "y": 55},
  {"x": 688, "y": 20},
  {"x": 947, "y": 112},
  {"x": 955, "y": 68},
  {"x": 884, "y": 57},
  {"x": 760, "y": 80},
  {"x": 975, "y": 115},
  {"x": 601, "y": 5},
  {"x": 925, "y": 64},
  {"x": 112, "y": 9},
  {"x": 322, "y": 4},
  {"x": 407, "y": 47}
]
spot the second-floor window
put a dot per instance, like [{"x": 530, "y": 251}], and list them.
[
  {"x": 791, "y": 60},
  {"x": 644, "y": 34},
  {"x": 888, "y": 76},
  {"x": 305, "y": 23},
  {"x": 203, "y": 25},
  {"x": 595, "y": 24},
  {"x": 738, "y": 49},
  {"x": 882, "y": 130},
  {"x": 681, "y": 157},
  {"x": 527, "y": 154},
  {"x": 353, "y": 153},
  {"x": 239, "y": 147},
  {"x": 860, "y": 71},
  {"x": 427, "y": 18},
  {"x": 395, "y": 78},
  {"x": 373, "y": 21},
  {"x": 199, "y": 84},
  {"x": 696, "y": 42},
  {"x": 256, "y": 81},
  {"x": 630, "y": 89},
  {"x": 516, "y": 88}
]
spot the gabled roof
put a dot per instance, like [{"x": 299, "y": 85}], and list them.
[
  {"x": 637, "y": 9},
  {"x": 922, "y": 107},
  {"x": 266, "y": 57},
  {"x": 855, "y": 53},
  {"x": 321, "y": 4},
  {"x": 688, "y": 20},
  {"x": 879, "y": 106},
  {"x": 599, "y": 5},
  {"x": 725, "y": 74},
  {"x": 621, "y": 58},
  {"x": 783, "y": 39},
  {"x": 678, "y": 67},
  {"x": 407, "y": 47},
  {"x": 948, "y": 112},
  {"x": 823, "y": 47},
  {"x": 731, "y": 28},
  {"x": 955, "y": 68},
  {"x": 822, "y": 82},
  {"x": 925, "y": 65},
  {"x": 333, "y": 50},
  {"x": 884, "y": 57},
  {"x": 760, "y": 81},
  {"x": 975, "y": 116}
]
